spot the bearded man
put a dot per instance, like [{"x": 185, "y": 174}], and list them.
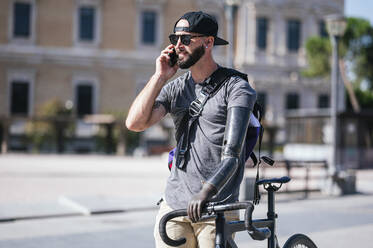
[{"x": 212, "y": 164}]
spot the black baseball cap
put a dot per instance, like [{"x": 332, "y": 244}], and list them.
[{"x": 201, "y": 23}]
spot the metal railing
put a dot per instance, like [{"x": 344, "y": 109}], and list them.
[{"x": 307, "y": 176}]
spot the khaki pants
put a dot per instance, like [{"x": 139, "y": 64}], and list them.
[{"x": 200, "y": 234}]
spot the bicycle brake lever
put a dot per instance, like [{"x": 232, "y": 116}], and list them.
[{"x": 268, "y": 160}]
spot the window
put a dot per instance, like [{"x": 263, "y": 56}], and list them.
[
  {"x": 21, "y": 20},
  {"x": 149, "y": 27},
  {"x": 84, "y": 99},
  {"x": 86, "y": 92},
  {"x": 21, "y": 25},
  {"x": 149, "y": 24},
  {"x": 323, "y": 101},
  {"x": 261, "y": 32},
  {"x": 19, "y": 98},
  {"x": 87, "y": 23},
  {"x": 322, "y": 29},
  {"x": 293, "y": 35},
  {"x": 292, "y": 101},
  {"x": 20, "y": 91}
]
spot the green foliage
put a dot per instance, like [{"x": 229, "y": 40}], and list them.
[
  {"x": 132, "y": 140},
  {"x": 356, "y": 29},
  {"x": 121, "y": 134},
  {"x": 365, "y": 98},
  {"x": 42, "y": 131},
  {"x": 52, "y": 108},
  {"x": 359, "y": 39},
  {"x": 318, "y": 54},
  {"x": 100, "y": 138},
  {"x": 356, "y": 48},
  {"x": 39, "y": 133}
]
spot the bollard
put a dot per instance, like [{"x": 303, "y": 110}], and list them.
[
  {"x": 349, "y": 182},
  {"x": 346, "y": 181}
]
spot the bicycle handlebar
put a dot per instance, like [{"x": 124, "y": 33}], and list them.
[
  {"x": 256, "y": 233},
  {"x": 162, "y": 227}
]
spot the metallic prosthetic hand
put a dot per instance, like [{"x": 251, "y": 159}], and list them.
[
  {"x": 235, "y": 132},
  {"x": 234, "y": 136}
]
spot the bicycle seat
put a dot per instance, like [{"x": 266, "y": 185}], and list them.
[{"x": 274, "y": 180}]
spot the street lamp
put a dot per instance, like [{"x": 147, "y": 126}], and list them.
[{"x": 336, "y": 26}]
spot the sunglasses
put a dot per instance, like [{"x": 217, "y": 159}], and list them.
[{"x": 185, "y": 38}]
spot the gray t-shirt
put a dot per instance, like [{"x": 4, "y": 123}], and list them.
[{"x": 206, "y": 136}]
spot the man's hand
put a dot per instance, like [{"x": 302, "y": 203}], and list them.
[
  {"x": 198, "y": 201},
  {"x": 163, "y": 69}
]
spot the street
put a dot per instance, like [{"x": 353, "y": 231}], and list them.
[{"x": 101, "y": 201}]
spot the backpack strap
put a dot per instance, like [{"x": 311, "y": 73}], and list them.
[
  {"x": 214, "y": 83},
  {"x": 256, "y": 187},
  {"x": 258, "y": 113}
]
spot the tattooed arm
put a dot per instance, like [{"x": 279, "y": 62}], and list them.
[{"x": 144, "y": 111}]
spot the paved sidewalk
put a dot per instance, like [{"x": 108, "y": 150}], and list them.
[
  {"x": 107, "y": 201},
  {"x": 49, "y": 186},
  {"x": 40, "y": 186}
]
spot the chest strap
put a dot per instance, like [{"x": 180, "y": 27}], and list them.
[{"x": 214, "y": 83}]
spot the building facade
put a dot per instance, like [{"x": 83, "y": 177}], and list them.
[
  {"x": 96, "y": 55},
  {"x": 271, "y": 37}
]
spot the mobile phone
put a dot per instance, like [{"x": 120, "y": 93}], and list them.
[{"x": 173, "y": 58}]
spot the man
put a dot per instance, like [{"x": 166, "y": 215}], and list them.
[{"x": 214, "y": 162}]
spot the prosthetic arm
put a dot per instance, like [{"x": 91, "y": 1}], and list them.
[{"x": 235, "y": 130}]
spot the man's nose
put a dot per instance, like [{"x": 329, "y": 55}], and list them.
[{"x": 179, "y": 43}]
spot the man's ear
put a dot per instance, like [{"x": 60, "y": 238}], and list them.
[{"x": 210, "y": 41}]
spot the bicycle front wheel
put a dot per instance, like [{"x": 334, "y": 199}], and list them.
[{"x": 299, "y": 241}]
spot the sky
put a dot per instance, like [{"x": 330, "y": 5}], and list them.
[{"x": 359, "y": 8}]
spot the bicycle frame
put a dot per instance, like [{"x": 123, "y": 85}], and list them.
[
  {"x": 259, "y": 229},
  {"x": 224, "y": 230}
]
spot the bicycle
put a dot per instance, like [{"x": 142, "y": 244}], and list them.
[{"x": 258, "y": 229}]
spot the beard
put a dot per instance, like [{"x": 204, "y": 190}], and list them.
[{"x": 193, "y": 58}]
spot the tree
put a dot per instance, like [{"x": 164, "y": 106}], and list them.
[
  {"x": 45, "y": 131},
  {"x": 356, "y": 50},
  {"x": 318, "y": 53},
  {"x": 358, "y": 40}
]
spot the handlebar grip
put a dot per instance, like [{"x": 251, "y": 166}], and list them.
[
  {"x": 255, "y": 233},
  {"x": 163, "y": 231},
  {"x": 260, "y": 233}
]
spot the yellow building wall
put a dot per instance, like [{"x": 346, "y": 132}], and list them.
[
  {"x": 117, "y": 26},
  {"x": 52, "y": 82},
  {"x": 4, "y": 15},
  {"x": 54, "y": 29},
  {"x": 117, "y": 87},
  {"x": 54, "y": 23}
]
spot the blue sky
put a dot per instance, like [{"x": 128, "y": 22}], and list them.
[{"x": 359, "y": 8}]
